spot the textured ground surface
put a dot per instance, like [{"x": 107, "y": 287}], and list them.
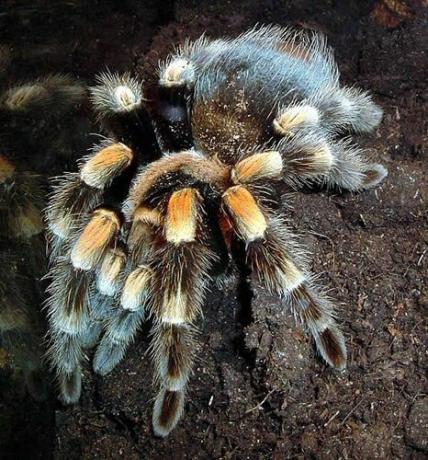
[{"x": 259, "y": 390}]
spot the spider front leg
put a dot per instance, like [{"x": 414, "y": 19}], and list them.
[{"x": 273, "y": 256}]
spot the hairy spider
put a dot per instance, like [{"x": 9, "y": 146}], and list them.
[
  {"x": 27, "y": 111},
  {"x": 139, "y": 232}
]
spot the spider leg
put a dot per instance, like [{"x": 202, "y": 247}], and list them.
[
  {"x": 68, "y": 317},
  {"x": 350, "y": 108},
  {"x": 180, "y": 273},
  {"x": 76, "y": 194},
  {"x": 172, "y": 349},
  {"x": 84, "y": 239},
  {"x": 121, "y": 328},
  {"x": 310, "y": 154},
  {"x": 308, "y": 157},
  {"x": 335, "y": 110},
  {"x": 119, "y": 102},
  {"x": 274, "y": 259},
  {"x": 351, "y": 171},
  {"x": 178, "y": 72},
  {"x": 122, "y": 323}
]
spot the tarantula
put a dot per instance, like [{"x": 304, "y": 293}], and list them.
[
  {"x": 138, "y": 231},
  {"x": 27, "y": 111}
]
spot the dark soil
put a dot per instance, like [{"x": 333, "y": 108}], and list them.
[{"x": 259, "y": 389}]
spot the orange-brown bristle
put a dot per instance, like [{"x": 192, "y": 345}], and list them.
[
  {"x": 95, "y": 238},
  {"x": 333, "y": 348},
  {"x": 136, "y": 288},
  {"x": 6, "y": 169},
  {"x": 182, "y": 216},
  {"x": 110, "y": 271},
  {"x": 249, "y": 221},
  {"x": 167, "y": 411},
  {"x": 264, "y": 165},
  {"x": 105, "y": 165},
  {"x": 294, "y": 118}
]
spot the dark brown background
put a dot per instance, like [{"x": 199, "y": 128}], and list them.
[{"x": 259, "y": 390}]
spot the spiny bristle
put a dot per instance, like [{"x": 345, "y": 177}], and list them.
[
  {"x": 116, "y": 94},
  {"x": 6, "y": 169},
  {"x": 182, "y": 216},
  {"x": 311, "y": 310},
  {"x": 27, "y": 222},
  {"x": 172, "y": 353},
  {"x": 317, "y": 313},
  {"x": 278, "y": 260},
  {"x": 100, "y": 169},
  {"x": 136, "y": 289},
  {"x": 109, "y": 274},
  {"x": 95, "y": 238},
  {"x": 167, "y": 411},
  {"x": 331, "y": 345},
  {"x": 293, "y": 118},
  {"x": 264, "y": 165},
  {"x": 179, "y": 72},
  {"x": 357, "y": 109},
  {"x": 249, "y": 221},
  {"x": 61, "y": 226}
]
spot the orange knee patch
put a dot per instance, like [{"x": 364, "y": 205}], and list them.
[
  {"x": 262, "y": 165},
  {"x": 249, "y": 221},
  {"x": 182, "y": 216},
  {"x": 106, "y": 164},
  {"x": 95, "y": 239}
]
